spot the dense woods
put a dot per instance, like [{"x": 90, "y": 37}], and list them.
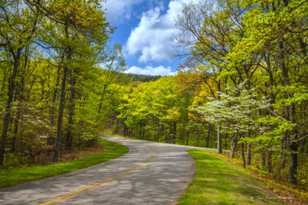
[
  {"x": 49, "y": 52},
  {"x": 243, "y": 88}
]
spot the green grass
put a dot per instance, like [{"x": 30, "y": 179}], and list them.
[
  {"x": 219, "y": 182},
  {"x": 14, "y": 176}
]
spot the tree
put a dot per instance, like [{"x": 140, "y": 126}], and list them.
[
  {"x": 262, "y": 44},
  {"x": 18, "y": 27},
  {"x": 60, "y": 43}
]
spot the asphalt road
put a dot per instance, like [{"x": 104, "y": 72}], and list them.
[{"x": 150, "y": 174}]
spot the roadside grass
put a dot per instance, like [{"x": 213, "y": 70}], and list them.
[
  {"x": 219, "y": 182},
  {"x": 14, "y": 176}
]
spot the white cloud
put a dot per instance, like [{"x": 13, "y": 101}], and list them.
[
  {"x": 149, "y": 70},
  {"x": 154, "y": 38},
  {"x": 120, "y": 9}
]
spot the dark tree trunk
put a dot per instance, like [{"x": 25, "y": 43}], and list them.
[
  {"x": 16, "y": 120},
  {"x": 54, "y": 99},
  {"x": 158, "y": 130},
  {"x": 50, "y": 140},
  {"x": 249, "y": 154},
  {"x": 79, "y": 132},
  {"x": 20, "y": 96},
  {"x": 267, "y": 154},
  {"x": 141, "y": 129},
  {"x": 234, "y": 141},
  {"x": 243, "y": 155},
  {"x": 4, "y": 80},
  {"x": 173, "y": 132},
  {"x": 67, "y": 55},
  {"x": 289, "y": 111},
  {"x": 16, "y": 128},
  {"x": 8, "y": 107},
  {"x": 71, "y": 113},
  {"x": 225, "y": 139},
  {"x": 198, "y": 136},
  {"x": 125, "y": 130},
  {"x": 57, "y": 146},
  {"x": 294, "y": 163},
  {"x": 187, "y": 134},
  {"x": 161, "y": 130},
  {"x": 269, "y": 163},
  {"x": 208, "y": 138},
  {"x": 219, "y": 140}
]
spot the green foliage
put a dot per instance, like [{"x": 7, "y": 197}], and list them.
[
  {"x": 245, "y": 82},
  {"x": 48, "y": 53}
]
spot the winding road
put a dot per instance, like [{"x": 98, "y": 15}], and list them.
[{"x": 150, "y": 174}]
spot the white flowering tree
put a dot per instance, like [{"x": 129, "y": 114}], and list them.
[{"x": 235, "y": 112}]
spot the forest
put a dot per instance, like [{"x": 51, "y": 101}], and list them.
[{"x": 243, "y": 88}]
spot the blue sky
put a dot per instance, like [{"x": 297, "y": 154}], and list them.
[{"x": 146, "y": 30}]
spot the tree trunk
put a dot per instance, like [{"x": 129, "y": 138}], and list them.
[
  {"x": 294, "y": 163},
  {"x": 8, "y": 107},
  {"x": 157, "y": 135},
  {"x": 141, "y": 129},
  {"x": 289, "y": 110},
  {"x": 249, "y": 154},
  {"x": 20, "y": 96},
  {"x": 187, "y": 134},
  {"x": 269, "y": 163},
  {"x": 16, "y": 120},
  {"x": 16, "y": 128},
  {"x": 219, "y": 140},
  {"x": 79, "y": 132},
  {"x": 4, "y": 79},
  {"x": 243, "y": 155},
  {"x": 71, "y": 113},
  {"x": 173, "y": 132},
  {"x": 54, "y": 99},
  {"x": 57, "y": 146},
  {"x": 125, "y": 130},
  {"x": 161, "y": 131},
  {"x": 101, "y": 101},
  {"x": 233, "y": 145},
  {"x": 225, "y": 139},
  {"x": 208, "y": 138}
]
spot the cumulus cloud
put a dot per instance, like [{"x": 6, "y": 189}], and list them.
[
  {"x": 120, "y": 9},
  {"x": 154, "y": 37},
  {"x": 149, "y": 70}
]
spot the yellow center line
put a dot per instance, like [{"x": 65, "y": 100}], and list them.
[{"x": 98, "y": 184}]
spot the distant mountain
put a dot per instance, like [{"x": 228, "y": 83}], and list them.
[
  {"x": 143, "y": 78},
  {"x": 128, "y": 77}
]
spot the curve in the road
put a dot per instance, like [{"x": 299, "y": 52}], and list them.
[{"x": 150, "y": 174}]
